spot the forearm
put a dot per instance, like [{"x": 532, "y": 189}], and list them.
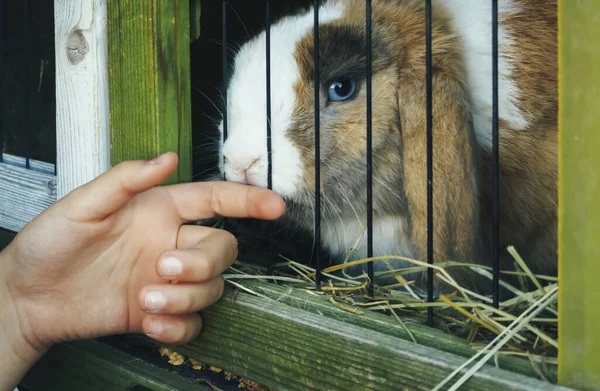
[{"x": 17, "y": 355}]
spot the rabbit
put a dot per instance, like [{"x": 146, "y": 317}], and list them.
[{"x": 462, "y": 129}]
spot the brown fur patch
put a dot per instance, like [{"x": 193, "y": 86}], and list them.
[{"x": 528, "y": 158}]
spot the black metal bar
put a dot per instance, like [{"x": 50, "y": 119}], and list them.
[
  {"x": 224, "y": 59},
  {"x": 316, "y": 60},
  {"x": 369, "y": 145},
  {"x": 55, "y": 150},
  {"x": 1, "y": 85},
  {"x": 224, "y": 54},
  {"x": 269, "y": 154},
  {"x": 429, "y": 161},
  {"x": 496, "y": 159},
  {"x": 26, "y": 68}
]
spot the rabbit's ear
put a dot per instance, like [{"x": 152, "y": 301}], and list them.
[{"x": 455, "y": 154}]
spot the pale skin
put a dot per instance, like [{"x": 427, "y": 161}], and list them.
[{"x": 102, "y": 261}]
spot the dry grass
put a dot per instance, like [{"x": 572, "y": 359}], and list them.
[{"x": 524, "y": 325}]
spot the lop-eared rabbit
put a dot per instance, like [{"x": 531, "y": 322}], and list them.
[{"x": 462, "y": 128}]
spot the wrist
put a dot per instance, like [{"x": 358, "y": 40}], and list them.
[{"x": 17, "y": 354}]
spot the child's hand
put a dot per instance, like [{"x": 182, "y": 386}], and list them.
[{"x": 103, "y": 259}]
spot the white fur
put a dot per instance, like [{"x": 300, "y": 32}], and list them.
[
  {"x": 473, "y": 21},
  {"x": 389, "y": 237},
  {"x": 247, "y": 146}
]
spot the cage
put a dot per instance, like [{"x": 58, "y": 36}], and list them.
[
  {"x": 274, "y": 334},
  {"x": 27, "y": 113}
]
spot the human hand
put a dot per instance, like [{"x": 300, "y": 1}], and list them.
[{"x": 102, "y": 260}]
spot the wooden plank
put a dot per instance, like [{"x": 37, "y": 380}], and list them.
[
  {"x": 24, "y": 193},
  {"x": 90, "y": 365},
  {"x": 149, "y": 76},
  {"x": 385, "y": 324},
  {"x": 290, "y": 349},
  {"x": 579, "y": 191},
  {"x": 82, "y": 117}
]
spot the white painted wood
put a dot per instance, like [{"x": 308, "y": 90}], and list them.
[
  {"x": 24, "y": 193},
  {"x": 82, "y": 117},
  {"x": 82, "y": 111}
]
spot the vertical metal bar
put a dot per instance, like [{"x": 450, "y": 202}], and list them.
[
  {"x": 1, "y": 85},
  {"x": 225, "y": 70},
  {"x": 55, "y": 149},
  {"x": 429, "y": 161},
  {"x": 26, "y": 68},
  {"x": 224, "y": 54},
  {"x": 369, "y": 68},
  {"x": 269, "y": 154},
  {"x": 496, "y": 159},
  {"x": 316, "y": 60}
]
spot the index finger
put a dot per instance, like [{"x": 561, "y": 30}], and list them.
[{"x": 204, "y": 200}]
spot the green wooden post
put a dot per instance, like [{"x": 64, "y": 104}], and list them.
[
  {"x": 149, "y": 79},
  {"x": 195, "y": 14},
  {"x": 579, "y": 192}
]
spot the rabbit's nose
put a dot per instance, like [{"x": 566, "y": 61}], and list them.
[
  {"x": 248, "y": 172},
  {"x": 245, "y": 170}
]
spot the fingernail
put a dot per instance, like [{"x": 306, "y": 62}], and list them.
[
  {"x": 155, "y": 327},
  {"x": 158, "y": 159},
  {"x": 170, "y": 267},
  {"x": 154, "y": 301}
]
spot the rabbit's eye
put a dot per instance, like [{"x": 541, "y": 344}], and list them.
[{"x": 342, "y": 89}]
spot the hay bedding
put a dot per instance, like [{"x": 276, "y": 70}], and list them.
[{"x": 525, "y": 325}]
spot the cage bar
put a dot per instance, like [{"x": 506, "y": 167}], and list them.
[
  {"x": 496, "y": 160},
  {"x": 26, "y": 84},
  {"x": 316, "y": 60},
  {"x": 429, "y": 160},
  {"x": 369, "y": 68},
  {"x": 1, "y": 85},
  {"x": 268, "y": 75},
  {"x": 225, "y": 70},
  {"x": 271, "y": 261},
  {"x": 224, "y": 59}
]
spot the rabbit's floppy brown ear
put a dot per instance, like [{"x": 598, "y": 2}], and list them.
[{"x": 456, "y": 226}]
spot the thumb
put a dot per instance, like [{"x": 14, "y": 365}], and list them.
[{"x": 110, "y": 191}]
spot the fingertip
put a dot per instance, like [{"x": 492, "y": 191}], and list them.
[
  {"x": 175, "y": 330},
  {"x": 167, "y": 157},
  {"x": 272, "y": 206}
]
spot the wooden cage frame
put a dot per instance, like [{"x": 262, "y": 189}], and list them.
[{"x": 130, "y": 99}]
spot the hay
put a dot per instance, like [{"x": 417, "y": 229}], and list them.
[{"x": 525, "y": 325}]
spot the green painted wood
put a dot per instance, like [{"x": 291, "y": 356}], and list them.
[
  {"x": 579, "y": 192},
  {"x": 149, "y": 81},
  {"x": 195, "y": 14},
  {"x": 287, "y": 348},
  {"x": 385, "y": 324},
  {"x": 94, "y": 366}
]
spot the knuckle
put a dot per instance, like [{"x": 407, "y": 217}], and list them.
[
  {"x": 190, "y": 302},
  {"x": 215, "y": 201},
  {"x": 208, "y": 269}
]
